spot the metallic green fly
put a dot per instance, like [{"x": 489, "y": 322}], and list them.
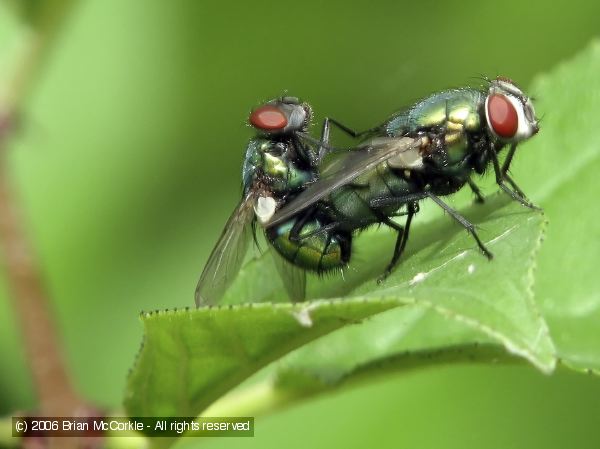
[
  {"x": 311, "y": 210},
  {"x": 279, "y": 162},
  {"x": 430, "y": 150}
]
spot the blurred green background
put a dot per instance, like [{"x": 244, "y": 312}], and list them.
[{"x": 128, "y": 164}]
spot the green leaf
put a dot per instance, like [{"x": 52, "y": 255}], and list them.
[
  {"x": 190, "y": 358},
  {"x": 558, "y": 170},
  {"x": 561, "y": 167},
  {"x": 459, "y": 306}
]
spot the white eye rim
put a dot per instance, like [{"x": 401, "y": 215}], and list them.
[
  {"x": 296, "y": 118},
  {"x": 506, "y": 87},
  {"x": 524, "y": 128}
]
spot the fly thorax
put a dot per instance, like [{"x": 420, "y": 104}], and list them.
[
  {"x": 457, "y": 147},
  {"x": 299, "y": 178},
  {"x": 463, "y": 117},
  {"x": 274, "y": 166}
]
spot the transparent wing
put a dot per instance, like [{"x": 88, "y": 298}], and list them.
[
  {"x": 344, "y": 170},
  {"x": 294, "y": 278},
  {"x": 228, "y": 254}
]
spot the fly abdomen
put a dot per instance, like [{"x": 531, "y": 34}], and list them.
[
  {"x": 313, "y": 245},
  {"x": 353, "y": 206}
]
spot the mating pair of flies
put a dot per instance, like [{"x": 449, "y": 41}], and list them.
[{"x": 312, "y": 200}]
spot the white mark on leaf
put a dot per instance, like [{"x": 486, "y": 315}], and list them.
[
  {"x": 303, "y": 315},
  {"x": 419, "y": 277}
]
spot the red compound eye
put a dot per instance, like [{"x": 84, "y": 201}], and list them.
[
  {"x": 503, "y": 116},
  {"x": 268, "y": 118}
]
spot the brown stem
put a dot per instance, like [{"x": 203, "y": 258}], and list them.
[
  {"x": 50, "y": 377},
  {"x": 56, "y": 394}
]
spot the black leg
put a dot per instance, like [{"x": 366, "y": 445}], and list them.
[
  {"x": 312, "y": 139},
  {"x": 478, "y": 195},
  {"x": 344, "y": 128},
  {"x": 306, "y": 151},
  {"x": 508, "y": 160},
  {"x": 513, "y": 184},
  {"x": 401, "y": 240},
  {"x": 324, "y": 144},
  {"x": 399, "y": 214},
  {"x": 396, "y": 200},
  {"x": 322, "y": 148},
  {"x": 412, "y": 208},
  {"x": 327, "y": 122},
  {"x": 324, "y": 251},
  {"x": 506, "y": 166},
  {"x": 295, "y": 231},
  {"x": 463, "y": 222},
  {"x": 345, "y": 241},
  {"x": 399, "y": 237},
  {"x": 500, "y": 178}
]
